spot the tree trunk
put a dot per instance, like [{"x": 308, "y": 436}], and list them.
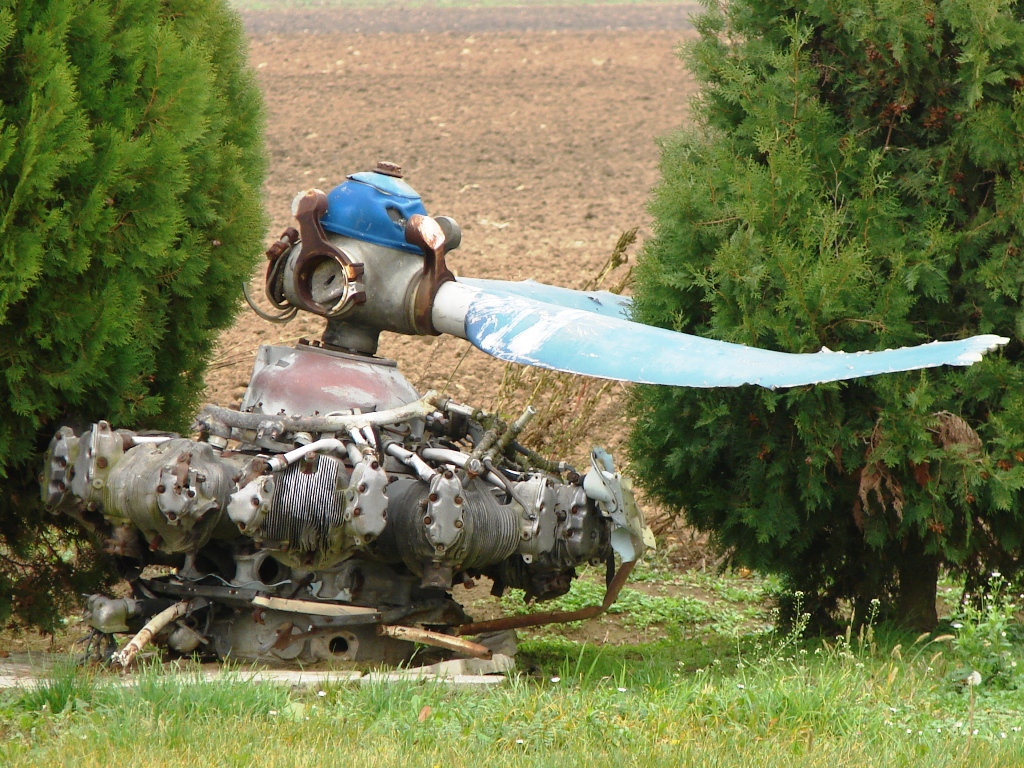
[{"x": 919, "y": 576}]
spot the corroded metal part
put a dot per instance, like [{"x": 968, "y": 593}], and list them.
[
  {"x": 99, "y": 451},
  {"x": 554, "y": 617},
  {"x": 60, "y": 456},
  {"x": 425, "y": 233},
  {"x": 310, "y": 381},
  {"x": 539, "y": 517},
  {"x": 444, "y": 520},
  {"x": 126, "y": 655},
  {"x": 110, "y": 614},
  {"x": 436, "y": 639},
  {"x": 174, "y": 492},
  {"x": 320, "y": 277}
]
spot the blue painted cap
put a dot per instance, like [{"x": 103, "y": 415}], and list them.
[{"x": 373, "y": 207}]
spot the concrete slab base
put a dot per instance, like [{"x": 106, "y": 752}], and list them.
[{"x": 23, "y": 671}]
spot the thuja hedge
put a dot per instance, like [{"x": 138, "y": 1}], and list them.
[
  {"x": 853, "y": 179},
  {"x": 131, "y": 161}
]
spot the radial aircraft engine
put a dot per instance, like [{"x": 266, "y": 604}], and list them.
[{"x": 330, "y": 516}]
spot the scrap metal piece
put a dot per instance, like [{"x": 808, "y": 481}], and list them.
[
  {"x": 554, "y": 617},
  {"x": 99, "y": 451},
  {"x": 109, "y": 614},
  {"x": 173, "y": 492},
  {"x": 614, "y": 493},
  {"x": 366, "y": 501},
  {"x": 60, "y": 457},
  {"x": 436, "y": 639},
  {"x": 215, "y": 419},
  {"x": 126, "y": 655},
  {"x": 444, "y": 519},
  {"x": 316, "y": 608},
  {"x": 539, "y": 517}
]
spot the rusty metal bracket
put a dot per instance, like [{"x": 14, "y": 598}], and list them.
[
  {"x": 272, "y": 283},
  {"x": 554, "y": 617},
  {"x": 426, "y": 234},
  {"x": 314, "y": 250},
  {"x": 436, "y": 639},
  {"x": 281, "y": 246},
  {"x": 254, "y": 468}
]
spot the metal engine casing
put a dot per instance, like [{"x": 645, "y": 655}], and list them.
[
  {"x": 312, "y": 380},
  {"x": 330, "y": 517}
]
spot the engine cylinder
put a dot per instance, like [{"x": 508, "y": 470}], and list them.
[
  {"x": 306, "y": 514},
  {"x": 174, "y": 492},
  {"x": 491, "y": 531}
]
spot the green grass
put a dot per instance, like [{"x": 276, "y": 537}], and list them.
[
  {"x": 677, "y": 615},
  {"x": 682, "y": 604},
  {"x": 712, "y": 691},
  {"x": 583, "y": 706}
]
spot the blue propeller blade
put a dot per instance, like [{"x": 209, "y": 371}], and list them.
[
  {"x": 599, "y": 302},
  {"x": 510, "y": 326}
]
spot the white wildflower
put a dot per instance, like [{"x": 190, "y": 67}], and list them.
[
  {"x": 974, "y": 678},
  {"x": 556, "y": 679}
]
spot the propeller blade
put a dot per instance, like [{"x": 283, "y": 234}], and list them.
[
  {"x": 520, "y": 329},
  {"x": 599, "y": 302}
]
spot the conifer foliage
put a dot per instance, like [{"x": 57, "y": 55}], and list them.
[
  {"x": 131, "y": 161},
  {"x": 854, "y": 179}
]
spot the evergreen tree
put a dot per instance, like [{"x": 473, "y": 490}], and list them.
[
  {"x": 853, "y": 180},
  {"x": 131, "y": 161}
]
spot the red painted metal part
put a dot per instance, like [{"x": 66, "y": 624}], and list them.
[{"x": 308, "y": 381}]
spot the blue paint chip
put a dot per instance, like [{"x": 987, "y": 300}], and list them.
[{"x": 374, "y": 208}]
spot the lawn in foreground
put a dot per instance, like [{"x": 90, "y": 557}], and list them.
[{"x": 708, "y": 701}]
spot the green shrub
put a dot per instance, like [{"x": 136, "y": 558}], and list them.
[
  {"x": 853, "y": 180},
  {"x": 131, "y": 161}
]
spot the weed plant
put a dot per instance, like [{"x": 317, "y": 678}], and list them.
[
  {"x": 567, "y": 405},
  {"x": 988, "y": 638}
]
